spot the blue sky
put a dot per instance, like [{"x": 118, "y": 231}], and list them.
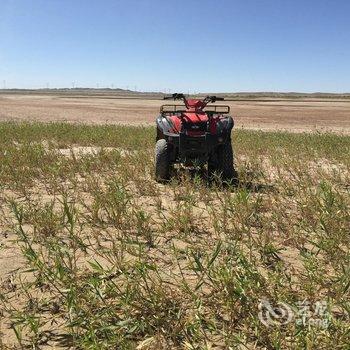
[{"x": 216, "y": 46}]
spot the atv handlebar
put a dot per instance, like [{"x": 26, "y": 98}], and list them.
[
  {"x": 212, "y": 99},
  {"x": 208, "y": 99},
  {"x": 175, "y": 97}
]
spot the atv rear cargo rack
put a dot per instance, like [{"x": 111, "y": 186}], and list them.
[{"x": 171, "y": 109}]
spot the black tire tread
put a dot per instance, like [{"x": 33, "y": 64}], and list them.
[
  {"x": 162, "y": 165},
  {"x": 226, "y": 163}
]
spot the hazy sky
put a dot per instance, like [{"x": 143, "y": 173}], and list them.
[{"x": 222, "y": 45}]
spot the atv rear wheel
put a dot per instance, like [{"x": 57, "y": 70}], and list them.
[
  {"x": 225, "y": 162},
  {"x": 162, "y": 162},
  {"x": 224, "y": 165}
]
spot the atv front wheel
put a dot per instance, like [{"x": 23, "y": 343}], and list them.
[{"x": 162, "y": 161}]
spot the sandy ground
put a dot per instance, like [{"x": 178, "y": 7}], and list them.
[
  {"x": 308, "y": 115},
  {"x": 292, "y": 115},
  {"x": 297, "y": 116}
]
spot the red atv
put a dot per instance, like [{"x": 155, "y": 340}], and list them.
[{"x": 194, "y": 135}]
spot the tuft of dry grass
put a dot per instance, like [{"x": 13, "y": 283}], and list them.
[{"x": 111, "y": 259}]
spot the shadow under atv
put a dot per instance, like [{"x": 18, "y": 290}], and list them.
[{"x": 192, "y": 174}]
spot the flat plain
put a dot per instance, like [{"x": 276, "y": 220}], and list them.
[{"x": 294, "y": 115}]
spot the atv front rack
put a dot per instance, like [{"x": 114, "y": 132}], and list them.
[{"x": 173, "y": 109}]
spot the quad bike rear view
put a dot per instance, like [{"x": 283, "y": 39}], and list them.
[{"x": 194, "y": 135}]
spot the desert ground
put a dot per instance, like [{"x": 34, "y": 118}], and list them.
[
  {"x": 295, "y": 115},
  {"x": 95, "y": 254}
]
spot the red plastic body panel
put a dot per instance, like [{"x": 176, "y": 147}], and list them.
[
  {"x": 194, "y": 118},
  {"x": 194, "y": 115}
]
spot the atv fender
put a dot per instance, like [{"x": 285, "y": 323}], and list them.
[
  {"x": 224, "y": 126},
  {"x": 164, "y": 127}
]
